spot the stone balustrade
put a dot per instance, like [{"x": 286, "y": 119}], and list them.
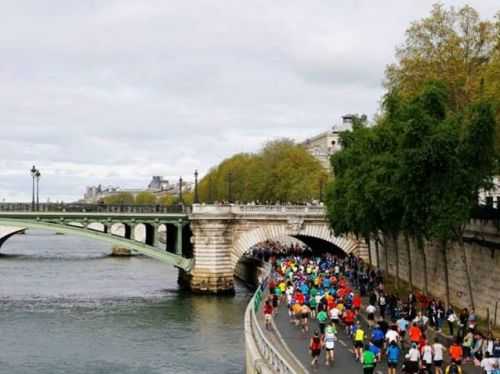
[{"x": 248, "y": 209}]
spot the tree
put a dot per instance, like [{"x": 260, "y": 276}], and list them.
[
  {"x": 281, "y": 172},
  {"x": 454, "y": 46},
  {"x": 420, "y": 120},
  {"x": 145, "y": 198},
  {"x": 167, "y": 200},
  {"x": 120, "y": 198}
]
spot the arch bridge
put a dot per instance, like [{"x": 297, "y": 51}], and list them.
[
  {"x": 222, "y": 234},
  {"x": 204, "y": 241},
  {"x": 100, "y": 222}
]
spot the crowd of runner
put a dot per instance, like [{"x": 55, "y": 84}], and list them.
[
  {"x": 327, "y": 294},
  {"x": 269, "y": 248}
]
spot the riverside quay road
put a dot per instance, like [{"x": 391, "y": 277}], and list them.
[{"x": 336, "y": 297}]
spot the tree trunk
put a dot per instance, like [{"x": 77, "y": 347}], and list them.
[
  {"x": 396, "y": 250},
  {"x": 377, "y": 252},
  {"x": 421, "y": 248},
  {"x": 444, "y": 251},
  {"x": 467, "y": 270},
  {"x": 410, "y": 267},
  {"x": 386, "y": 251},
  {"x": 367, "y": 240}
]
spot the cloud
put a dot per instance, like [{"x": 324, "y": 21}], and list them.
[{"x": 115, "y": 91}]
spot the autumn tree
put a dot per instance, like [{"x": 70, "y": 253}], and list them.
[
  {"x": 451, "y": 45},
  {"x": 120, "y": 198},
  {"x": 281, "y": 172},
  {"x": 145, "y": 198}
]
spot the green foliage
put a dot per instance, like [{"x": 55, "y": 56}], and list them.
[
  {"x": 456, "y": 47},
  {"x": 167, "y": 200},
  {"x": 145, "y": 198},
  {"x": 120, "y": 198},
  {"x": 281, "y": 171},
  {"x": 418, "y": 169}
]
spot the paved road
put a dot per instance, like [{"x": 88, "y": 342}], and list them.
[{"x": 344, "y": 357}]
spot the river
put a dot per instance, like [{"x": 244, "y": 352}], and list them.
[{"x": 66, "y": 306}]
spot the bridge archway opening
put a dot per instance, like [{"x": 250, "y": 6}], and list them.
[
  {"x": 149, "y": 234},
  {"x": 319, "y": 238},
  {"x": 252, "y": 264},
  {"x": 320, "y": 246}
]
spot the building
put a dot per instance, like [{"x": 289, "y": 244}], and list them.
[
  {"x": 158, "y": 186},
  {"x": 94, "y": 193},
  {"x": 491, "y": 197},
  {"x": 323, "y": 145},
  {"x": 159, "y": 183}
]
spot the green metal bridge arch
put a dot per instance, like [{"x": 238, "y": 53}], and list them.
[
  {"x": 76, "y": 219},
  {"x": 147, "y": 250}
]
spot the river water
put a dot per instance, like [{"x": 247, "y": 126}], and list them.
[{"x": 66, "y": 306}]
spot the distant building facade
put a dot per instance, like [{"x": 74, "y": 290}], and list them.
[
  {"x": 158, "y": 186},
  {"x": 94, "y": 193},
  {"x": 491, "y": 197},
  {"x": 159, "y": 183},
  {"x": 323, "y": 145}
]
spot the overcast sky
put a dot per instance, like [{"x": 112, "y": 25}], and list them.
[{"x": 113, "y": 92}]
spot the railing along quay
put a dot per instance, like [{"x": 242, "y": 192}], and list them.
[
  {"x": 272, "y": 360},
  {"x": 94, "y": 208}
]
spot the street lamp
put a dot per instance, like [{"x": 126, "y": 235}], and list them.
[
  {"x": 210, "y": 194},
  {"x": 321, "y": 190},
  {"x": 196, "y": 198},
  {"x": 180, "y": 191},
  {"x": 37, "y": 176},
  {"x": 33, "y": 175},
  {"x": 230, "y": 186}
]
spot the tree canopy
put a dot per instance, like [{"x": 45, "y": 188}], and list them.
[
  {"x": 417, "y": 171},
  {"x": 120, "y": 198},
  {"x": 145, "y": 198},
  {"x": 281, "y": 171},
  {"x": 457, "y": 47}
]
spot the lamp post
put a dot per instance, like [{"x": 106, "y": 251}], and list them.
[
  {"x": 230, "y": 186},
  {"x": 37, "y": 176},
  {"x": 321, "y": 191},
  {"x": 33, "y": 174},
  {"x": 196, "y": 198},
  {"x": 210, "y": 195},
  {"x": 180, "y": 191}
]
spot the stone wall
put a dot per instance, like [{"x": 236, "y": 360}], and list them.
[{"x": 484, "y": 262}]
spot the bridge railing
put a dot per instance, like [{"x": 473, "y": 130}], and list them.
[
  {"x": 272, "y": 361},
  {"x": 258, "y": 209},
  {"x": 93, "y": 208}
]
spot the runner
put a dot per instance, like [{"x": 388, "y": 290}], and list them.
[
  {"x": 359, "y": 337},
  {"x": 456, "y": 352},
  {"x": 438, "y": 354},
  {"x": 412, "y": 360},
  {"x": 453, "y": 368},
  {"x": 368, "y": 360},
  {"x": 488, "y": 363},
  {"x": 415, "y": 333},
  {"x": 370, "y": 311},
  {"x": 315, "y": 348},
  {"x": 322, "y": 318},
  {"x": 268, "y": 314},
  {"x": 304, "y": 314},
  {"x": 393, "y": 355},
  {"x": 426, "y": 353},
  {"x": 348, "y": 321},
  {"x": 329, "y": 341}
]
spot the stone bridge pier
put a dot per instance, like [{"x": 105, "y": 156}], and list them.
[{"x": 221, "y": 235}]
